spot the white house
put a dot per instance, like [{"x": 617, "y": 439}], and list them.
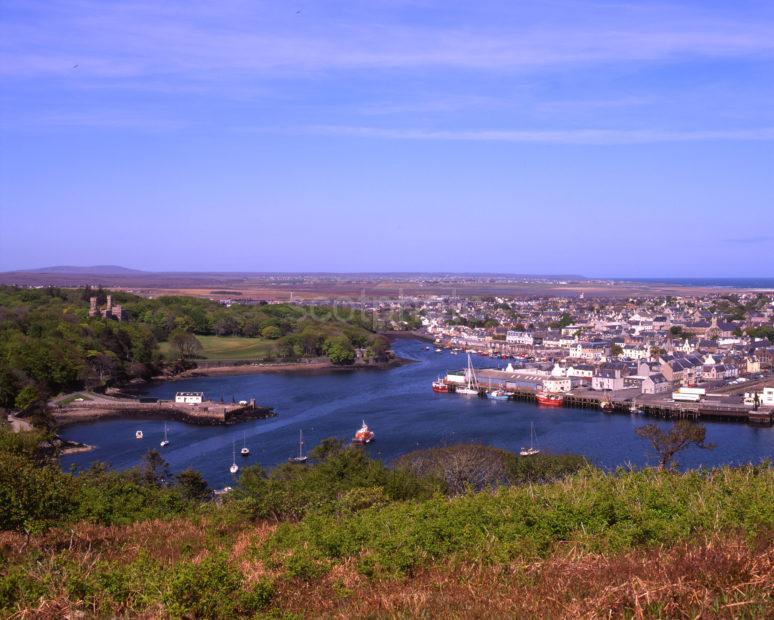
[
  {"x": 557, "y": 384},
  {"x": 607, "y": 379},
  {"x": 514, "y": 337},
  {"x": 189, "y": 398}
]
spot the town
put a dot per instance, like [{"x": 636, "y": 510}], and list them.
[{"x": 709, "y": 355}]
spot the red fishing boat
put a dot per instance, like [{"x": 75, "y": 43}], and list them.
[
  {"x": 440, "y": 387},
  {"x": 547, "y": 399},
  {"x": 364, "y": 435}
]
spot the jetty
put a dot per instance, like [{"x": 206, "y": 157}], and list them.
[
  {"x": 205, "y": 413},
  {"x": 716, "y": 407}
]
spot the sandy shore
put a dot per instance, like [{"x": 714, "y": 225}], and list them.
[{"x": 314, "y": 366}]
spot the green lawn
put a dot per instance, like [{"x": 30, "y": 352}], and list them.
[{"x": 230, "y": 347}]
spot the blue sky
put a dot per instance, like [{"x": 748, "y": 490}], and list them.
[{"x": 602, "y": 138}]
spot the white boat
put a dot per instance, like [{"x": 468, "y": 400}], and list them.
[
  {"x": 234, "y": 467},
  {"x": 245, "y": 451},
  {"x": 165, "y": 441},
  {"x": 138, "y": 435},
  {"x": 438, "y": 350},
  {"x": 471, "y": 387},
  {"x": 301, "y": 458},
  {"x": 532, "y": 450}
]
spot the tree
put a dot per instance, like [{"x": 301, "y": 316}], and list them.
[
  {"x": 340, "y": 350},
  {"x": 616, "y": 350},
  {"x": 271, "y": 332},
  {"x": 154, "y": 470},
  {"x": 184, "y": 345},
  {"x": 192, "y": 485},
  {"x": 667, "y": 444}
]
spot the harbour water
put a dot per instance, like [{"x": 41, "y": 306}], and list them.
[{"x": 400, "y": 407}]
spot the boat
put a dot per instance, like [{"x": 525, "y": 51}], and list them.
[
  {"x": 532, "y": 450},
  {"x": 548, "y": 399},
  {"x": 438, "y": 349},
  {"x": 605, "y": 405},
  {"x": 245, "y": 451},
  {"x": 165, "y": 441},
  {"x": 364, "y": 435},
  {"x": 440, "y": 387},
  {"x": 301, "y": 458},
  {"x": 471, "y": 386},
  {"x": 138, "y": 435},
  {"x": 234, "y": 467},
  {"x": 497, "y": 395},
  {"x": 634, "y": 408}
]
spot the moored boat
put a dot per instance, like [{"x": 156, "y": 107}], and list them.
[
  {"x": 165, "y": 441},
  {"x": 138, "y": 435},
  {"x": 301, "y": 458},
  {"x": 548, "y": 399},
  {"x": 440, "y": 387},
  {"x": 245, "y": 451},
  {"x": 532, "y": 450},
  {"x": 234, "y": 467},
  {"x": 497, "y": 395},
  {"x": 364, "y": 435}
]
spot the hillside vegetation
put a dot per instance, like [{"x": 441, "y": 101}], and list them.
[
  {"x": 49, "y": 344},
  {"x": 349, "y": 537}
]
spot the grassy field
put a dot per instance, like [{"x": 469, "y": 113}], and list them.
[{"x": 230, "y": 347}]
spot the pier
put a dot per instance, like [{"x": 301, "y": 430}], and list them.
[
  {"x": 208, "y": 413},
  {"x": 657, "y": 405}
]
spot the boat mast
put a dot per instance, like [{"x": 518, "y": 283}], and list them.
[{"x": 300, "y": 444}]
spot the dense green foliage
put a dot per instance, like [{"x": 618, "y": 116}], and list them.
[
  {"x": 150, "y": 543},
  {"x": 36, "y": 495},
  {"x": 596, "y": 510},
  {"x": 48, "y": 344}
]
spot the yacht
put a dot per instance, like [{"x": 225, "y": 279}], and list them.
[
  {"x": 471, "y": 383},
  {"x": 165, "y": 441},
  {"x": 301, "y": 458},
  {"x": 138, "y": 435},
  {"x": 245, "y": 451},
  {"x": 234, "y": 467},
  {"x": 532, "y": 450}
]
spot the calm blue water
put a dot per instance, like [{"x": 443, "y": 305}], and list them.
[{"x": 400, "y": 407}]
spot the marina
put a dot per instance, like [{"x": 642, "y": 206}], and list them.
[{"x": 401, "y": 407}]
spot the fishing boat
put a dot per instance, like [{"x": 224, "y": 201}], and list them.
[
  {"x": 165, "y": 441},
  {"x": 471, "y": 382},
  {"x": 301, "y": 458},
  {"x": 548, "y": 399},
  {"x": 234, "y": 467},
  {"x": 497, "y": 395},
  {"x": 532, "y": 450},
  {"x": 364, "y": 435},
  {"x": 605, "y": 405},
  {"x": 245, "y": 451},
  {"x": 440, "y": 387},
  {"x": 138, "y": 435}
]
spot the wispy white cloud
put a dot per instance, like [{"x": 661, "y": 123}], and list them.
[
  {"x": 203, "y": 40},
  {"x": 560, "y": 136}
]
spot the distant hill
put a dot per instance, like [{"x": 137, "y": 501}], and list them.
[{"x": 98, "y": 270}]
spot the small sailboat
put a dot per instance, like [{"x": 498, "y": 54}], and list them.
[
  {"x": 138, "y": 435},
  {"x": 234, "y": 467},
  {"x": 532, "y": 450},
  {"x": 165, "y": 441},
  {"x": 301, "y": 458},
  {"x": 364, "y": 435},
  {"x": 245, "y": 451}
]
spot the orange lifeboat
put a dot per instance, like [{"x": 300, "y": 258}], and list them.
[{"x": 364, "y": 435}]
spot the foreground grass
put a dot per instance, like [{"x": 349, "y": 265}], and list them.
[{"x": 628, "y": 545}]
